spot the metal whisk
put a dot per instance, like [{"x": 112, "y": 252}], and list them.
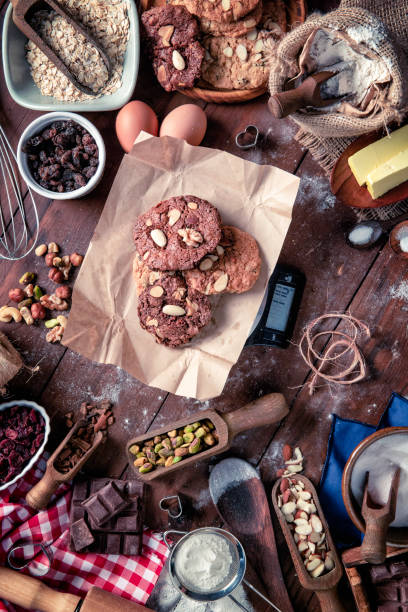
[{"x": 19, "y": 224}]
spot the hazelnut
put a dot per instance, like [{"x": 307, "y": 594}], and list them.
[
  {"x": 16, "y": 295},
  {"x": 49, "y": 259},
  {"x": 55, "y": 275},
  {"x": 38, "y": 311},
  {"x": 76, "y": 259},
  {"x": 63, "y": 292},
  {"x": 41, "y": 250}
]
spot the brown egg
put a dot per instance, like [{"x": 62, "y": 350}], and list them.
[
  {"x": 188, "y": 122},
  {"x": 131, "y": 120}
]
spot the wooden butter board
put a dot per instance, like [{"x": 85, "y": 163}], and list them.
[
  {"x": 295, "y": 15},
  {"x": 344, "y": 185}
]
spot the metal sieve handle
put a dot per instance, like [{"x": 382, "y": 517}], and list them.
[
  {"x": 166, "y": 533},
  {"x": 260, "y": 594}
]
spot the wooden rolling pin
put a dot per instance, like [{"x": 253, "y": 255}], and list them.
[{"x": 31, "y": 594}]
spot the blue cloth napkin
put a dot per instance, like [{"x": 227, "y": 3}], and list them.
[{"x": 345, "y": 435}]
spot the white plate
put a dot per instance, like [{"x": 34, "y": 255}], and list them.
[
  {"x": 39, "y": 452},
  {"x": 25, "y": 92}
]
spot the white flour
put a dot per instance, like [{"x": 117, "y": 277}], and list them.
[
  {"x": 237, "y": 470},
  {"x": 402, "y": 237},
  {"x": 381, "y": 459},
  {"x": 400, "y": 292},
  {"x": 203, "y": 561},
  {"x": 356, "y": 72}
]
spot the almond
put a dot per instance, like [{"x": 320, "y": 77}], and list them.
[
  {"x": 252, "y": 35},
  {"x": 156, "y": 291},
  {"x": 312, "y": 564},
  {"x": 288, "y": 518},
  {"x": 178, "y": 60},
  {"x": 293, "y": 469},
  {"x": 173, "y": 215},
  {"x": 312, "y": 547},
  {"x": 227, "y": 52},
  {"x": 302, "y": 546},
  {"x": 165, "y": 33},
  {"x": 289, "y": 508},
  {"x": 205, "y": 264},
  {"x": 316, "y": 523},
  {"x": 314, "y": 537},
  {"x": 301, "y": 514},
  {"x": 173, "y": 310},
  {"x": 226, "y": 5},
  {"x": 258, "y": 46},
  {"x": 152, "y": 322},
  {"x": 303, "y": 529},
  {"x": 318, "y": 571},
  {"x": 250, "y": 23},
  {"x": 220, "y": 250},
  {"x": 213, "y": 257},
  {"x": 192, "y": 205},
  {"x": 221, "y": 283},
  {"x": 161, "y": 74},
  {"x": 286, "y": 452},
  {"x": 148, "y": 222},
  {"x": 305, "y": 495},
  {"x": 158, "y": 237},
  {"x": 242, "y": 52}
]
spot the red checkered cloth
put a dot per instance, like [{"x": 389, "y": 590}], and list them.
[{"x": 130, "y": 577}]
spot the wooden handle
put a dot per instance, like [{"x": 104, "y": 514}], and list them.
[
  {"x": 330, "y": 601},
  {"x": 288, "y": 102},
  {"x": 373, "y": 548},
  {"x": 263, "y": 411},
  {"x": 39, "y": 496},
  {"x": 30, "y": 593}
]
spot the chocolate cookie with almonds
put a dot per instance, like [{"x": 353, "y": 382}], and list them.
[
  {"x": 176, "y": 233},
  {"x": 172, "y": 312},
  {"x": 169, "y": 26},
  {"x": 178, "y": 68},
  {"x": 233, "y": 268},
  {"x": 223, "y": 11},
  {"x": 236, "y": 63},
  {"x": 145, "y": 277},
  {"x": 235, "y": 28}
]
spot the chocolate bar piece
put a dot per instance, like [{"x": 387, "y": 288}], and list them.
[
  {"x": 388, "y": 606},
  {"x": 398, "y": 568},
  {"x": 81, "y": 535},
  {"x": 388, "y": 591},
  {"x": 404, "y": 590},
  {"x": 105, "y": 504},
  {"x": 379, "y": 573},
  {"x": 121, "y": 533}
]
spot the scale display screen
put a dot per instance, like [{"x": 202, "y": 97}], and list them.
[{"x": 280, "y": 307}]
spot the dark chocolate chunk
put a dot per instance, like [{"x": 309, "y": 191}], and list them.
[
  {"x": 388, "y": 606},
  {"x": 81, "y": 535},
  {"x": 388, "y": 591},
  {"x": 110, "y": 538},
  {"x": 97, "y": 512},
  {"x": 379, "y": 573},
  {"x": 404, "y": 590},
  {"x": 399, "y": 568}
]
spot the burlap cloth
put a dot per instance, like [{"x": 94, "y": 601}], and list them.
[
  {"x": 328, "y": 135},
  {"x": 10, "y": 361}
]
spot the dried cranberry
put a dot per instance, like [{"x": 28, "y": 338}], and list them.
[
  {"x": 15, "y": 459},
  {"x": 6, "y": 446},
  {"x": 12, "y": 434},
  {"x": 79, "y": 179}
]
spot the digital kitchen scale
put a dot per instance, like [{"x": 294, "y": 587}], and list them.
[{"x": 276, "y": 318}]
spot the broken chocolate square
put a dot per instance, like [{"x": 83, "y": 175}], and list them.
[{"x": 81, "y": 535}]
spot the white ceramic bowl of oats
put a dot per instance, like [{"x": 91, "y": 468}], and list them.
[{"x": 24, "y": 90}]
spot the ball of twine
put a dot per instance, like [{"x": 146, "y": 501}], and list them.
[{"x": 341, "y": 361}]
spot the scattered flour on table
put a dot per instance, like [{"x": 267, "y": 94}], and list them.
[
  {"x": 237, "y": 470},
  {"x": 316, "y": 189},
  {"x": 202, "y": 500},
  {"x": 400, "y": 292}
]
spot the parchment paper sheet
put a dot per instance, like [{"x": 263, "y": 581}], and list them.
[{"x": 103, "y": 324}]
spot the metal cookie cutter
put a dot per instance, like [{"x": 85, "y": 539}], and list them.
[
  {"x": 34, "y": 549},
  {"x": 163, "y": 505},
  {"x": 248, "y": 138}
]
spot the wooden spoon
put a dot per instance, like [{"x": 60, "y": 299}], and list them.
[
  {"x": 239, "y": 497},
  {"x": 377, "y": 520},
  {"x": 26, "y": 8},
  {"x": 325, "y": 586},
  {"x": 307, "y": 94},
  {"x": 39, "y": 496}
]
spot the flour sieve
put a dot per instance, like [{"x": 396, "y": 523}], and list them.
[{"x": 229, "y": 580}]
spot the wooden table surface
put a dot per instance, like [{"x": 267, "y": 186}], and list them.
[{"x": 338, "y": 279}]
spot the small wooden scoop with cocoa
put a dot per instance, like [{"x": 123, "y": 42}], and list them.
[
  {"x": 314, "y": 555},
  {"x": 307, "y": 93},
  {"x": 23, "y": 11}
]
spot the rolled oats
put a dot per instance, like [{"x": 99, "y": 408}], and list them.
[{"x": 108, "y": 22}]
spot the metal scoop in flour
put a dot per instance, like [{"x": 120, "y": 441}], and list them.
[{"x": 229, "y": 579}]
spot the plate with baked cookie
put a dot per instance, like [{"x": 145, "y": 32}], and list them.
[{"x": 216, "y": 50}]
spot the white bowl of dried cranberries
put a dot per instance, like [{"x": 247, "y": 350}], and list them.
[
  {"x": 24, "y": 431},
  {"x": 61, "y": 156}
]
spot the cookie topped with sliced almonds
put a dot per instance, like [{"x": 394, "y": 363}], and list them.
[
  {"x": 235, "y": 28},
  {"x": 172, "y": 312},
  {"x": 169, "y": 26},
  {"x": 234, "y": 266},
  {"x": 236, "y": 62},
  {"x": 218, "y": 10},
  {"x": 177, "y": 233}
]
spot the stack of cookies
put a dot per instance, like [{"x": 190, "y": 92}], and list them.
[
  {"x": 183, "y": 255},
  {"x": 233, "y": 34}
]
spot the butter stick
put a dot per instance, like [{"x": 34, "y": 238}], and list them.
[
  {"x": 388, "y": 175},
  {"x": 378, "y": 153}
]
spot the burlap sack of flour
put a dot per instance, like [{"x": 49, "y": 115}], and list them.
[
  {"x": 369, "y": 35},
  {"x": 10, "y": 361}
]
